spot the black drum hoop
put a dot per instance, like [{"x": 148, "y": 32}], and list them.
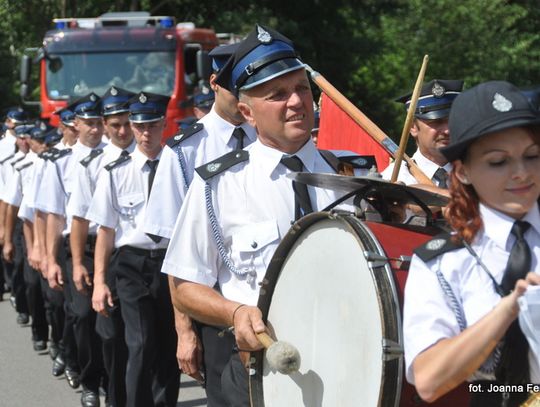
[{"x": 383, "y": 279}]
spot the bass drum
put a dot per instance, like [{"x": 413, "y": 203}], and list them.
[{"x": 334, "y": 289}]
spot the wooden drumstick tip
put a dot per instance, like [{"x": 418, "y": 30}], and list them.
[{"x": 281, "y": 356}]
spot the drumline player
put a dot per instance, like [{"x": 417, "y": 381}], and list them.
[
  {"x": 461, "y": 294},
  {"x": 242, "y": 204}
]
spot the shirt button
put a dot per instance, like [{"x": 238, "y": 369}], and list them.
[{"x": 254, "y": 245}]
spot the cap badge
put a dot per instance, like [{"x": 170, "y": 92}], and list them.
[
  {"x": 143, "y": 98},
  {"x": 93, "y": 98},
  {"x": 178, "y": 137},
  {"x": 213, "y": 167},
  {"x": 435, "y": 244},
  {"x": 114, "y": 91},
  {"x": 263, "y": 35},
  {"x": 500, "y": 103},
  {"x": 43, "y": 126},
  {"x": 438, "y": 90}
]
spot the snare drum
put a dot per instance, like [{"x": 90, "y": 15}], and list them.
[{"x": 334, "y": 290}]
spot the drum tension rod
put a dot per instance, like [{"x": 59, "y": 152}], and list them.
[
  {"x": 391, "y": 349},
  {"x": 376, "y": 260}
]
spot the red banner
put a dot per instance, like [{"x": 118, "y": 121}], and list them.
[{"x": 338, "y": 131}]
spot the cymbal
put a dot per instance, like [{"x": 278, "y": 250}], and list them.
[{"x": 374, "y": 187}]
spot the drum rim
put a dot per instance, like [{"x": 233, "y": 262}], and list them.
[{"x": 270, "y": 281}]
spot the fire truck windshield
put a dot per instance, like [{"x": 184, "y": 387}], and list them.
[{"x": 77, "y": 74}]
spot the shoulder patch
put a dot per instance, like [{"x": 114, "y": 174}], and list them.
[
  {"x": 222, "y": 163},
  {"x": 44, "y": 155},
  {"x": 9, "y": 157},
  {"x": 85, "y": 162},
  {"x": 18, "y": 160},
  {"x": 25, "y": 165},
  {"x": 185, "y": 134},
  {"x": 359, "y": 161},
  {"x": 59, "y": 154},
  {"x": 440, "y": 244},
  {"x": 123, "y": 158}
]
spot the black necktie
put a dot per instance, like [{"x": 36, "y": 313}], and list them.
[
  {"x": 514, "y": 363},
  {"x": 151, "y": 175},
  {"x": 302, "y": 203},
  {"x": 239, "y": 135},
  {"x": 441, "y": 176}
]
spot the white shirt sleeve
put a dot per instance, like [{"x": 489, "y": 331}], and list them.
[
  {"x": 51, "y": 196},
  {"x": 102, "y": 208},
  {"x": 81, "y": 195},
  {"x": 427, "y": 317},
  {"x": 188, "y": 258}
]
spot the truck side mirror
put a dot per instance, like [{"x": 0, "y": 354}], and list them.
[
  {"x": 204, "y": 65},
  {"x": 26, "y": 66}
]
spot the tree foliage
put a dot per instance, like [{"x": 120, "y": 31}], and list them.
[{"x": 369, "y": 49}]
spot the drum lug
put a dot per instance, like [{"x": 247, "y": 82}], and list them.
[
  {"x": 403, "y": 262},
  {"x": 374, "y": 259},
  {"x": 391, "y": 350}
]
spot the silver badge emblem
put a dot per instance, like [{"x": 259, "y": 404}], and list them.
[
  {"x": 213, "y": 167},
  {"x": 500, "y": 103},
  {"x": 93, "y": 98},
  {"x": 263, "y": 35},
  {"x": 43, "y": 126},
  {"x": 114, "y": 91},
  {"x": 178, "y": 137},
  {"x": 435, "y": 244},
  {"x": 143, "y": 98},
  {"x": 438, "y": 90}
]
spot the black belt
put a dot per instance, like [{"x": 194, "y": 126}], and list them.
[{"x": 152, "y": 254}]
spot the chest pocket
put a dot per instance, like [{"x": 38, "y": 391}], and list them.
[
  {"x": 249, "y": 244},
  {"x": 129, "y": 205}
]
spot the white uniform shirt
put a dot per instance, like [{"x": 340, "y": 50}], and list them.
[
  {"x": 83, "y": 191},
  {"x": 59, "y": 181},
  {"x": 426, "y": 165},
  {"x": 428, "y": 317},
  {"x": 28, "y": 203},
  {"x": 213, "y": 141},
  {"x": 120, "y": 202},
  {"x": 254, "y": 206},
  {"x": 19, "y": 183},
  {"x": 8, "y": 172}
]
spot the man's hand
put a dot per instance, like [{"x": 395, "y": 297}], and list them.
[
  {"x": 248, "y": 321},
  {"x": 100, "y": 298},
  {"x": 81, "y": 278},
  {"x": 8, "y": 251},
  {"x": 54, "y": 276},
  {"x": 189, "y": 354}
]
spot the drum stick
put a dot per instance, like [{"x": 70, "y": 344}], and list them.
[
  {"x": 281, "y": 356},
  {"x": 409, "y": 120},
  {"x": 362, "y": 120}
]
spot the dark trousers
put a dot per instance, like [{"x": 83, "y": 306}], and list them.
[
  {"x": 152, "y": 375},
  {"x": 235, "y": 383},
  {"x": 217, "y": 353},
  {"x": 34, "y": 298},
  {"x": 115, "y": 352},
  {"x": 14, "y": 271},
  {"x": 89, "y": 352}
]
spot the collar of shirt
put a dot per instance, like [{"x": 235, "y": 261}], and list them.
[
  {"x": 224, "y": 129},
  {"x": 497, "y": 225},
  {"x": 428, "y": 166},
  {"x": 139, "y": 159},
  {"x": 269, "y": 158},
  {"x": 112, "y": 149}
]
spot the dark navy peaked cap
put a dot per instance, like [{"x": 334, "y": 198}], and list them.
[
  {"x": 40, "y": 130},
  {"x": 66, "y": 115},
  {"x": 114, "y": 101},
  {"x": 87, "y": 107},
  {"x": 435, "y": 99},
  {"x": 221, "y": 54},
  {"x": 265, "y": 54},
  {"x": 147, "y": 107},
  {"x": 17, "y": 115}
]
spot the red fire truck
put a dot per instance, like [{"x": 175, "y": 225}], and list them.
[{"x": 131, "y": 50}]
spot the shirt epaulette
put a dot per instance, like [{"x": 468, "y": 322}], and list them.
[
  {"x": 85, "y": 162},
  {"x": 113, "y": 164},
  {"x": 45, "y": 155},
  {"x": 440, "y": 244},
  {"x": 59, "y": 154},
  {"x": 359, "y": 161},
  {"x": 13, "y": 163},
  {"x": 9, "y": 157},
  {"x": 25, "y": 165},
  {"x": 185, "y": 134},
  {"x": 221, "y": 164}
]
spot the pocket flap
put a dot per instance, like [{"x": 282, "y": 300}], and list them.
[
  {"x": 251, "y": 238},
  {"x": 130, "y": 201}
]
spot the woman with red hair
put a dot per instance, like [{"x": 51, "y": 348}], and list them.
[{"x": 460, "y": 315}]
